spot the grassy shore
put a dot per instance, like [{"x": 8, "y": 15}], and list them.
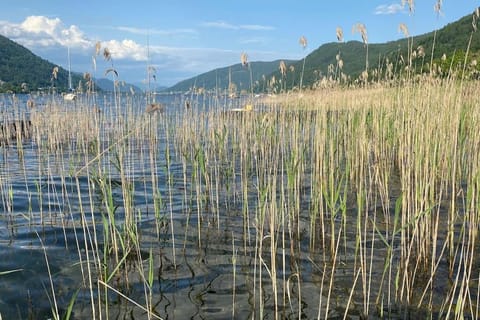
[{"x": 375, "y": 186}]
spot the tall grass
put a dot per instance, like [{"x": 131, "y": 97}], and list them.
[
  {"x": 346, "y": 201},
  {"x": 378, "y": 187}
]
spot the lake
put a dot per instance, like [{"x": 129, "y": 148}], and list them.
[{"x": 205, "y": 213}]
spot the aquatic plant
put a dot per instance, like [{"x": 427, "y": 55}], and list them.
[{"x": 333, "y": 202}]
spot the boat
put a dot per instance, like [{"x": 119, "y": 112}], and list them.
[{"x": 70, "y": 95}]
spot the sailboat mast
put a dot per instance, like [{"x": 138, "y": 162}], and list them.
[
  {"x": 149, "y": 92},
  {"x": 69, "y": 72}
]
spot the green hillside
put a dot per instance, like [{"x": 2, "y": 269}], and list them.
[
  {"x": 19, "y": 65},
  {"x": 238, "y": 74},
  {"x": 23, "y": 71},
  {"x": 451, "y": 40}
]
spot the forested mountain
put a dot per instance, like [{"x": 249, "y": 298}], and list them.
[
  {"x": 236, "y": 74},
  {"x": 21, "y": 70},
  {"x": 451, "y": 41},
  {"x": 450, "y": 44}
]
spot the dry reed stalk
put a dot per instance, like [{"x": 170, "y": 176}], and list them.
[
  {"x": 303, "y": 43},
  {"x": 354, "y": 145}
]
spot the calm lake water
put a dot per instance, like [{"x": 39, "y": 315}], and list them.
[
  {"x": 205, "y": 253},
  {"x": 42, "y": 238}
]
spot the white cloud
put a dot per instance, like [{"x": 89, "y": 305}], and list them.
[
  {"x": 126, "y": 49},
  {"x": 254, "y": 40},
  {"x": 143, "y": 31},
  {"x": 220, "y": 24},
  {"x": 49, "y": 37},
  {"x": 39, "y": 24},
  {"x": 389, "y": 9},
  {"x": 256, "y": 27},
  {"x": 40, "y": 31}
]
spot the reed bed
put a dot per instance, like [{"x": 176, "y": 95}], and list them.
[
  {"x": 329, "y": 203},
  {"x": 373, "y": 178}
]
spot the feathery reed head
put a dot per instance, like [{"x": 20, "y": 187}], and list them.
[
  {"x": 402, "y": 27},
  {"x": 303, "y": 42},
  {"x": 98, "y": 47},
  {"x": 339, "y": 32},
  {"x": 437, "y": 8},
  {"x": 106, "y": 54},
  {"x": 55, "y": 72},
  {"x": 283, "y": 68},
  {"x": 244, "y": 59},
  {"x": 411, "y": 5},
  {"x": 30, "y": 103},
  {"x": 154, "y": 107},
  {"x": 360, "y": 27},
  {"x": 474, "y": 20},
  {"x": 421, "y": 51},
  {"x": 273, "y": 80}
]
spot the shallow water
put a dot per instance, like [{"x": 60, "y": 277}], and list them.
[{"x": 205, "y": 253}]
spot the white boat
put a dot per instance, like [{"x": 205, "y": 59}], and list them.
[{"x": 70, "y": 96}]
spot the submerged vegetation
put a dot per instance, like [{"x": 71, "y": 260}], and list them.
[{"x": 344, "y": 201}]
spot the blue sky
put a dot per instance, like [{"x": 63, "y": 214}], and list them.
[{"x": 186, "y": 38}]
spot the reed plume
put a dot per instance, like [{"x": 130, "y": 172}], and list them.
[
  {"x": 339, "y": 33},
  {"x": 55, "y": 73},
  {"x": 402, "y": 27},
  {"x": 283, "y": 68},
  {"x": 303, "y": 42},
  {"x": 411, "y": 5},
  {"x": 244, "y": 59},
  {"x": 360, "y": 28},
  {"x": 106, "y": 54},
  {"x": 245, "y": 63}
]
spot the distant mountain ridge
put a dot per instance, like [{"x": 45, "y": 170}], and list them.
[
  {"x": 238, "y": 74},
  {"x": 22, "y": 71},
  {"x": 451, "y": 40},
  {"x": 107, "y": 85}
]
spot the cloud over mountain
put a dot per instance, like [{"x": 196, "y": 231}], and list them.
[
  {"x": 49, "y": 37},
  {"x": 40, "y": 31}
]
